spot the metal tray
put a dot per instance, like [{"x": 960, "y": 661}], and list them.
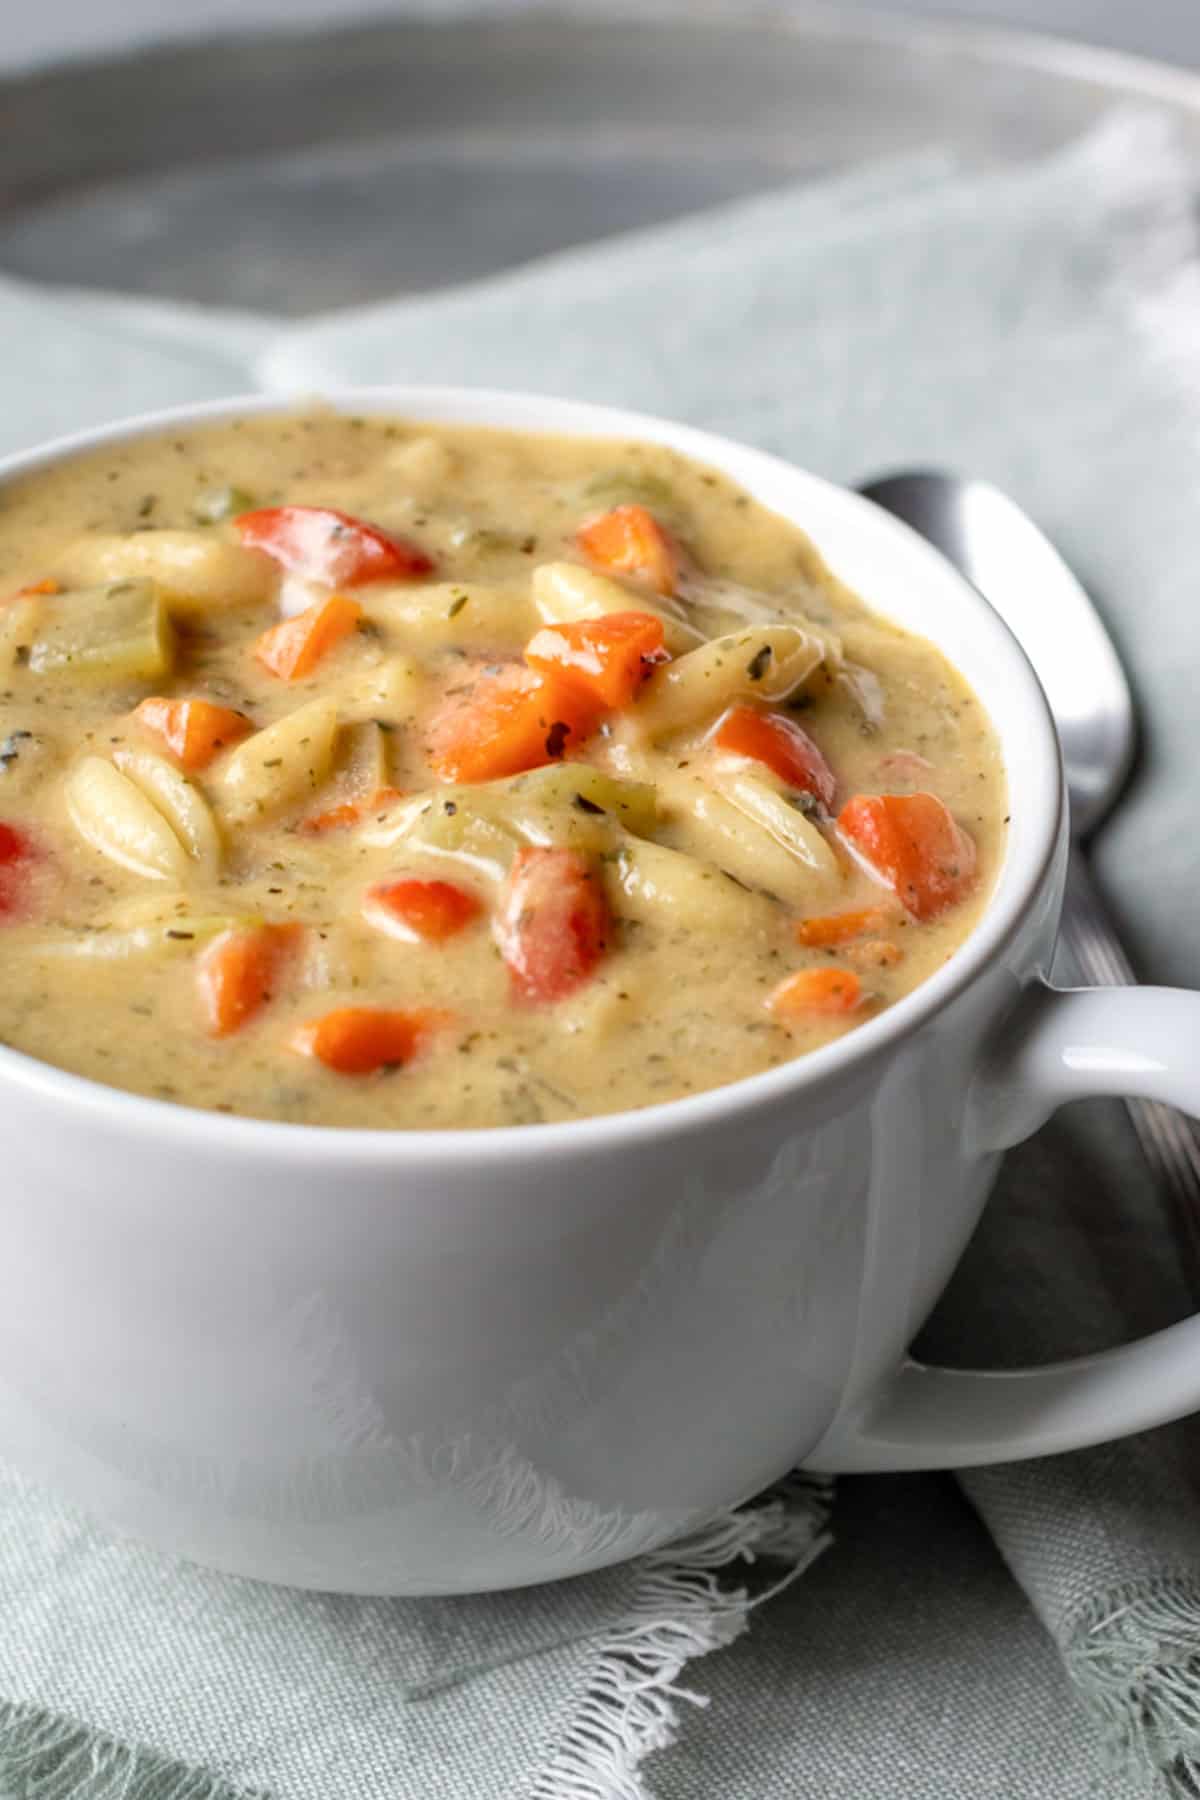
[{"x": 295, "y": 171}]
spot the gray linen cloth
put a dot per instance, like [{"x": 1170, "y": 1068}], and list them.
[{"x": 1038, "y": 327}]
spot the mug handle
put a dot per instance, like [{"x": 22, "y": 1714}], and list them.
[{"x": 1141, "y": 1042}]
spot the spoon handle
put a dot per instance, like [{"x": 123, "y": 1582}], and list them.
[{"x": 1168, "y": 1140}]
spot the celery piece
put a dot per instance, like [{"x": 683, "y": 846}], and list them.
[
  {"x": 618, "y": 487},
  {"x": 215, "y": 505},
  {"x": 119, "y": 632}
]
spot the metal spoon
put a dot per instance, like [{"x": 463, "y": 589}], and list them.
[{"x": 1017, "y": 569}]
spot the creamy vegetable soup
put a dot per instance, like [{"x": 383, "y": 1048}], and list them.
[{"x": 364, "y": 773}]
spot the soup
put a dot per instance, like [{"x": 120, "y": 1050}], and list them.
[{"x": 365, "y": 773}]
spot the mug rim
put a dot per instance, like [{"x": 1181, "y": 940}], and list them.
[{"x": 801, "y": 1078}]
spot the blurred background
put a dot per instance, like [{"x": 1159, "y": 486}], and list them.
[{"x": 53, "y": 28}]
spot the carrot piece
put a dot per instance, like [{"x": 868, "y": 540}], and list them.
[
  {"x": 782, "y": 745},
  {"x": 322, "y": 544},
  {"x": 829, "y": 991},
  {"x": 606, "y": 659},
  {"x": 838, "y": 928},
  {"x": 914, "y": 844},
  {"x": 875, "y": 953},
  {"x": 630, "y": 541},
  {"x": 350, "y": 812},
  {"x": 420, "y": 911},
  {"x": 506, "y": 721},
  {"x": 358, "y": 1040},
  {"x": 46, "y": 586},
  {"x": 193, "y": 730},
  {"x": 293, "y": 648},
  {"x": 552, "y": 923},
  {"x": 236, "y": 974}
]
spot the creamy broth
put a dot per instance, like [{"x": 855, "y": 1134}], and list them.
[{"x": 698, "y": 879}]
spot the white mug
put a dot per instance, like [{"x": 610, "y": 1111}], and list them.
[{"x": 423, "y": 1362}]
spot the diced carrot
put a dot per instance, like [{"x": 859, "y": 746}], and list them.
[
  {"x": 782, "y": 745},
  {"x": 606, "y": 659},
  {"x": 838, "y": 928},
  {"x": 630, "y": 541},
  {"x": 420, "y": 911},
  {"x": 507, "y": 720},
  {"x": 350, "y": 812},
  {"x": 552, "y": 923},
  {"x": 236, "y": 975},
  {"x": 358, "y": 1040},
  {"x": 293, "y": 648},
  {"x": 321, "y": 544},
  {"x": 193, "y": 730},
  {"x": 914, "y": 844},
  {"x": 829, "y": 991},
  {"x": 46, "y": 586}
]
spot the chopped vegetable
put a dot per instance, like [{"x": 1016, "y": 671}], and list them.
[
  {"x": 614, "y": 485},
  {"x": 293, "y": 648},
  {"x": 914, "y": 844},
  {"x": 279, "y": 766},
  {"x": 48, "y": 586},
  {"x": 333, "y": 547},
  {"x": 17, "y": 853},
  {"x": 839, "y": 928},
  {"x": 630, "y": 541},
  {"x": 116, "y": 633},
  {"x": 350, "y": 812},
  {"x": 605, "y": 659},
  {"x": 238, "y": 972},
  {"x": 552, "y": 923},
  {"x": 193, "y": 730},
  {"x": 358, "y": 1040},
  {"x": 420, "y": 911},
  {"x": 782, "y": 745},
  {"x": 827, "y": 991},
  {"x": 217, "y": 504},
  {"x": 507, "y": 720}
]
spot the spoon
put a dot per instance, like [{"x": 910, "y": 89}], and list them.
[{"x": 1019, "y": 572}]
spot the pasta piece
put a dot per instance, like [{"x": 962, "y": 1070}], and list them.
[
  {"x": 753, "y": 849},
  {"x": 568, "y": 805},
  {"x": 767, "y": 665},
  {"x": 663, "y": 887},
  {"x": 581, "y": 789},
  {"x": 195, "y": 570},
  {"x": 181, "y": 804},
  {"x": 737, "y": 605},
  {"x": 278, "y": 767},
  {"x": 446, "y": 829},
  {"x": 787, "y": 824},
  {"x": 452, "y": 612},
  {"x": 564, "y": 592},
  {"x": 112, "y": 814}
]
